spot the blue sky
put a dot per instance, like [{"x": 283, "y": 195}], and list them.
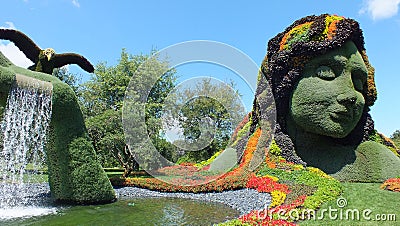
[{"x": 100, "y": 29}]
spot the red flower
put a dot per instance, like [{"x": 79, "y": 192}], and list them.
[{"x": 266, "y": 184}]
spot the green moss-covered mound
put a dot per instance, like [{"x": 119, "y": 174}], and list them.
[
  {"x": 74, "y": 174},
  {"x": 373, "y": 163},
  {"x": 225, "y": 161}
]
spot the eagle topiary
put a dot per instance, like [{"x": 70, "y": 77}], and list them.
[{"x": 45, "y": 60}]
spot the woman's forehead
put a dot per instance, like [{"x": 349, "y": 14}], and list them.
[{"x": 343, "y": 54}]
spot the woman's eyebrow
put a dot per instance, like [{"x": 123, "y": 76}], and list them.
[
  {"x": 340, "y": 60},
  {"x": 336, "y": 60}
]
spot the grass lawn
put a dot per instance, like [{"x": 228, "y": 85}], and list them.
[
  {"x": 361, "y": 197},
  {"x": 32, "y": 176},
  {"x": 36, "y": 178},
  {"x": 113, "y": 174}
]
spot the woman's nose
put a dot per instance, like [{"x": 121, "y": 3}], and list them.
[{"x": 347, "y": 99}]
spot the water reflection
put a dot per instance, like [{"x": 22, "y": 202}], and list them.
[{"x": 138, "y": 211}]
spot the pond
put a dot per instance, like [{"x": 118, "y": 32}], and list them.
[{"x": 137, "y": 211}]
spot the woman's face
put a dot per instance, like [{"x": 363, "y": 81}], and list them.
[{"x": 328, "y": 98}]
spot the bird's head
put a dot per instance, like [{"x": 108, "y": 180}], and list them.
[{"x": 48, "y": 53}]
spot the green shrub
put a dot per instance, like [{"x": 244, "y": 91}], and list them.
[{"x": 88, "y": 179}]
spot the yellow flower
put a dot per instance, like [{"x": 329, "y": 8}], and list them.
[
  {"x": 278, "y": 197},
  {"x": 319, "y": 172},
  {"x": 298, "y": 167},
  {"x": 272, "y": 177}
]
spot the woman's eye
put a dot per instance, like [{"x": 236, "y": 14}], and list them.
[
  {"x": 325, "y": 72},
  {"x": 358, "y": 84},
  {"x": 358, "y": 81}
]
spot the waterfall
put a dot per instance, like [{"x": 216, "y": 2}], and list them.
[{"x": 23, "y": 134}]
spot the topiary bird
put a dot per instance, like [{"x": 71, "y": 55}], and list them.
[{"x": 45, "y": 60}]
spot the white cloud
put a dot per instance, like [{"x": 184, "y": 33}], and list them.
[
  {"x": 10, "y": 25},
  {"x": 12, "y": 52},
  {"x": 15, "y": 55},
  {"x": 380, "y": 9},
  {"x": 76, "y": 3}
]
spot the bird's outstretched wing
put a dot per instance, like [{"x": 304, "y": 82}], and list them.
[
  {"x": 23, "y": 42},
  {"x": 72, "y": 58}
]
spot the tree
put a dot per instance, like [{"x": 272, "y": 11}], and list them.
[
  {"x": 64, "y": 75},
  {"x": 102, "y": 99},
  {"x": 107, "y": 136},
  {"x": 208, "y": 115},
  {"x": 396, "y": 137},
  {"x": 142, "y": 113},
  {"x": 107, "y": 86}
]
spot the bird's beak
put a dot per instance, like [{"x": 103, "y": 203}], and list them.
[
  {"x": 48, "y": 56},
  {"x": 49, "y": 52}
]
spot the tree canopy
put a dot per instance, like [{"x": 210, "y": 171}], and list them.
[
  {"x": 396, "y": 138},
  {"x": 102, "y": 99},
  {"x": 209, "y": 112}
]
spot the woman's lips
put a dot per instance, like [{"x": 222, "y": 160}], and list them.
[{"x": 342, "y": 115}]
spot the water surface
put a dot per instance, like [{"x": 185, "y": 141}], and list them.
[{"x": 138, "y": 211}]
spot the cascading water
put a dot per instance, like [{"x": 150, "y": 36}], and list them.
[{"x": 23, "y": 130}]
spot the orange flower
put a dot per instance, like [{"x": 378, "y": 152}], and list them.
[
  {"x": 392, "y": 184},
  {"x": 251, "y": 147},
  {"x": 270, "y": 163}
]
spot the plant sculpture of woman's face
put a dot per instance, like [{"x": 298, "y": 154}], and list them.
[{"x": 328, "y": 100}]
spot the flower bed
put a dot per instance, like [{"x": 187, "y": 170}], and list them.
[
  {"x": 188, "y": 178},
  {"x": 392, "y": 184},
  {"x": 293, "y": 187}
]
